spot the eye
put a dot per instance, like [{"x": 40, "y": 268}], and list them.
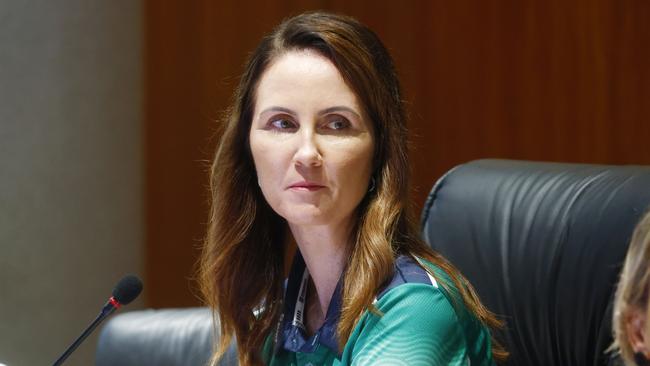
[
  {"x": 282, "y": 123},
  {"x": 338, "y": 123}
]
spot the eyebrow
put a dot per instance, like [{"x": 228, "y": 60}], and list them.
[
  {"x": 278, "y": 109},
  {"x": 337, "y": 108}
]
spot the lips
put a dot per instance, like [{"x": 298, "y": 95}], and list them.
[{"x": 306, "y": 186}]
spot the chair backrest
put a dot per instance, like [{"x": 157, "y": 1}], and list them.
[
  {"x": 543, "y": 244},
  {"x": 169, "y": 337}
]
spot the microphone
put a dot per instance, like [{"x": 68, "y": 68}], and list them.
[{"x": 124, "y": 292}]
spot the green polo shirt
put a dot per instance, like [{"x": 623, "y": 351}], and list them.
[{"x": 419, "y": 325}]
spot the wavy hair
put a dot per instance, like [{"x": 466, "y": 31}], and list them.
[
  {"x": 632, "y": 292},
  {"x": 241, "y": 268}
]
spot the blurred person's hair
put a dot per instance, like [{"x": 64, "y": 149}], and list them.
[
  {"x": 632, "y": 292},
  {"x": 242, "y": 264}
]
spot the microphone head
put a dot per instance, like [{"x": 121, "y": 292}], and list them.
[{"x": 127, "y": 289}]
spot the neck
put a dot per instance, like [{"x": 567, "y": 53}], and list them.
[{"x": 324, "y": 249}]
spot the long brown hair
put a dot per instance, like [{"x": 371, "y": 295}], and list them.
[{"x": 241, "y": 267}]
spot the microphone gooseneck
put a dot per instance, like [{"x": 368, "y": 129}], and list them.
[{"x": 124, "y": 292}]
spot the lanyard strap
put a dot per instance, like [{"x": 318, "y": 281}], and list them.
[{"x": 299, "y": 312}]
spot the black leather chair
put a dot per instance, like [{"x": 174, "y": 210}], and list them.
[
  {"x": 168, "y": 337},
  {"x": 541, "y": 242}
]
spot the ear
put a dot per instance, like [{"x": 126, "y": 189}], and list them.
[{"x": 636, "y": 335}]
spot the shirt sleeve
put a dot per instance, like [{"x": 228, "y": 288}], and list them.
[{"x": 418, "y": 326}]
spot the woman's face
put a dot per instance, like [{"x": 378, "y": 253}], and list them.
[
  {"x": 637, "y": 330},
  {"x": 311, "y": 142}
]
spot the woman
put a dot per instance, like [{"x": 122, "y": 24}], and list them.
[
  {"x": 631, "y": 306},
  {"x": 314, "y": 153}
]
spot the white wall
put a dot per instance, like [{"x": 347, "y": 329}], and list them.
[{"x": 71, "y": 169}]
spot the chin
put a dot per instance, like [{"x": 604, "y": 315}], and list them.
[{"x": 306, "y": 215}]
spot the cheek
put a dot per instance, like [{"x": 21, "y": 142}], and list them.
[
  {"x": 268, "y": 160},
  {"x": 354, "y": 168}
]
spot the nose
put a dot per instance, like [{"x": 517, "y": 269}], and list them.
[{"x": 308, "y": 153}]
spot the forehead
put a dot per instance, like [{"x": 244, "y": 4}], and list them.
[
  {"x": 303, "y": 76},
  {"x": 302, "y": 61}
]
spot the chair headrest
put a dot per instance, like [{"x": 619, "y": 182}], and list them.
[
  {"x": 169, "y": 337},
  {"x": 543, "y": 244}
]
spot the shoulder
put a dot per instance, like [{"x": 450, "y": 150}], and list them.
[
  {"x": 426, "y": 292},
  {"x": 416, "y": 293},
  {"x": 411, "y": 271},
  {"x": 418, "y": 320},
  {"x": 414, "y": 323}
]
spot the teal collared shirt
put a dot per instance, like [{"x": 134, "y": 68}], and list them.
[{"x": 419, "y": 325}]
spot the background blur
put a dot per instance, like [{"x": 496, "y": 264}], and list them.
[{"x": 108, "y": 115}]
